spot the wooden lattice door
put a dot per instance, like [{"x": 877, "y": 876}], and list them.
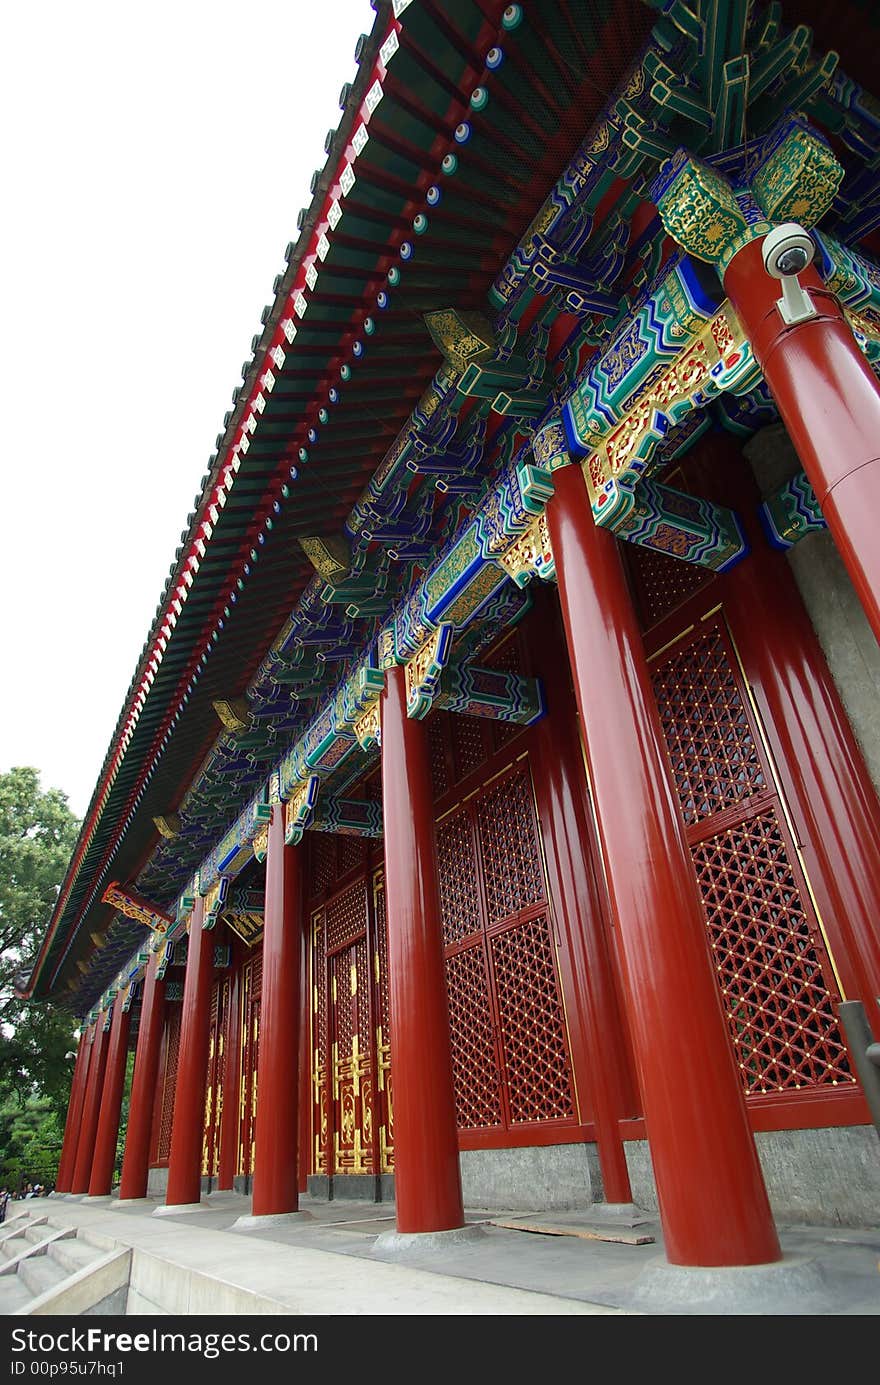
[
  {"x": 344, "y": 1063},
  {"x": 251, "y": 988},
  {"x": 771, "y": 960},
  {"x": 510, "y": 1050},
  {"x": 384, "y": 1112},
  {"x": 220, "y": 993},
  {"x": 167, "y": 1085}
]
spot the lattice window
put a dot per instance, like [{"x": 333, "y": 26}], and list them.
[
  {"x": 457, "y": 871},
  {"x": 508, "y": 657},
  {"x": 474, "y": 1059},
  {"x": 512, "y": 866},
  {"x": 382, "y": 949},
  {"x": 346, "y": 916},
  {"x": 362, "y": 963},
  {"x": 532, "y": 1023},
  {"x": 174, "y": 1014},
  {"x": 343, "y": 1030},
  {"x": 211, "y": 1090},
  {"x": 384, "y": 1080},
  {"x": 352, "y": 853},
  {"x": 504, "y": 998},
  {"x": 468, "y": 745},
  {"x": 714, "y": 758},
  {"x": 777, "y": 1002},
  {"x": 438, "y": 730},
  {"x": 662, "y": 583},
  {"x": 320, "y": 1035},
  {"x": 770, "y": 959},
  {"x": 320, "y": 1078},
  {"x": 252, "y": 984},
  {"x": 323, "y": 862}
]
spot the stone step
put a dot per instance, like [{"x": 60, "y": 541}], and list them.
[
  {"x": 97, "y": 1239},
  {"x": 101, "y": 1286},
  {"x": 13, "y": 1246},
  {"x": 13, "y": 1294},
  {"x": 41, "y": 1273},
  {"x": 37, "y": 1231},
  {"x": 72, "y": 1253}
]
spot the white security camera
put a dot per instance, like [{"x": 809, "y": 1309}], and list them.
[{"x": 788, "y": 250}]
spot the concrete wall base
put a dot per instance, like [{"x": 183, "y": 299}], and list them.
[
  {"x": 157, "y": 1182},
  {"x": 558, "y": 1177},
  {"x": 354, "y": 1187},
  {"x": 828, "y": 1177}
]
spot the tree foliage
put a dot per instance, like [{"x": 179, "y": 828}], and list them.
[
  {"x": 30, "y": 1142},
  {"x": 37, "y": 835}
]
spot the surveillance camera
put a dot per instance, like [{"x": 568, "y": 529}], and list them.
[{"x": 788, "y": 250}]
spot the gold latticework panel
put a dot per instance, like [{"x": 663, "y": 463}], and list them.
[
  {"x": 384, "y": 1108},
  {"x": 662, "y": 583},
  {"x": 174, "y": 1015},
  {"x": 346, "y": 916},
  {"x": 457, "y": 871},
  {"x": 776, "y": 998},
  {"x": 322, "y": 853},
  {"x": 715, "y": 761},
  {"x": 513, "y": 871},
  {"x": 472, "y": 1036},
  {"x": 533, "y": 1030}
]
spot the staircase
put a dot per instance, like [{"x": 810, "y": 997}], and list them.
[{"x": 48, "y": 1268}]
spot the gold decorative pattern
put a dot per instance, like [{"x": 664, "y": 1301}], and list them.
[
  {"x": 167, "y": 825},
  {"x": 700, "y": 212},
  {"x": 367, "y": 729},
  {"x": 799, "y": 181},
  {"x": 330, "y": 557},
  {"x": 550, "y": 446},
  {"x": 261, "y": 844},
  {"x": 721, "y": 340},
  {"x": 234, "y": 714},
  {"x": 530, "y": 555},
  {"x": 135, "y": 907},
  {"x": 386, "y": 648},
  {"x": 424, "y": 668},
  {"x": 476, "y": 592},
  {"x": 464, "y": 338}
]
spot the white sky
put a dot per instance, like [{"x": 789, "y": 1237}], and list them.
[{"x": 154, "y": 158}]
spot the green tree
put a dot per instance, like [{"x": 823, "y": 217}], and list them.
[
  {"x": 30, "y": 1142},
  {"x": 37, "y": 835}
]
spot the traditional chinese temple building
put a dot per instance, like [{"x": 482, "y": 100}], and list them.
[{"x": 492, "y": 818}]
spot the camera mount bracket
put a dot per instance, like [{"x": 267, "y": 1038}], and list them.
[{"x": 795, "y": 305}]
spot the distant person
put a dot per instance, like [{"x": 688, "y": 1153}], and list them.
[{"x": 4, "y": 1202}]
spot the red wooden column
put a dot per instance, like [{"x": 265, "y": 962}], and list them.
[
  {"x": 187, "y": 1132},
  {"x": 713, "y": 1203},
  {"x": 231, "y": 1115},
  {"x": 136, "y": 1159},
  {"x": 829, "y": 399},
  {"x": 107, "y": 1132},
  {"x": 275, "y": 1167},
  {"x": 74, "y": 1114},
  {"x": 600, "y": 1045},
  {"x": 817, "y": 757},
  {"x": 91, "y": 1108},
  {"x": 427, "y": 1180}
]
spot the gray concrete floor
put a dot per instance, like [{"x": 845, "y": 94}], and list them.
[{"x": 825, "y": 1271}]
